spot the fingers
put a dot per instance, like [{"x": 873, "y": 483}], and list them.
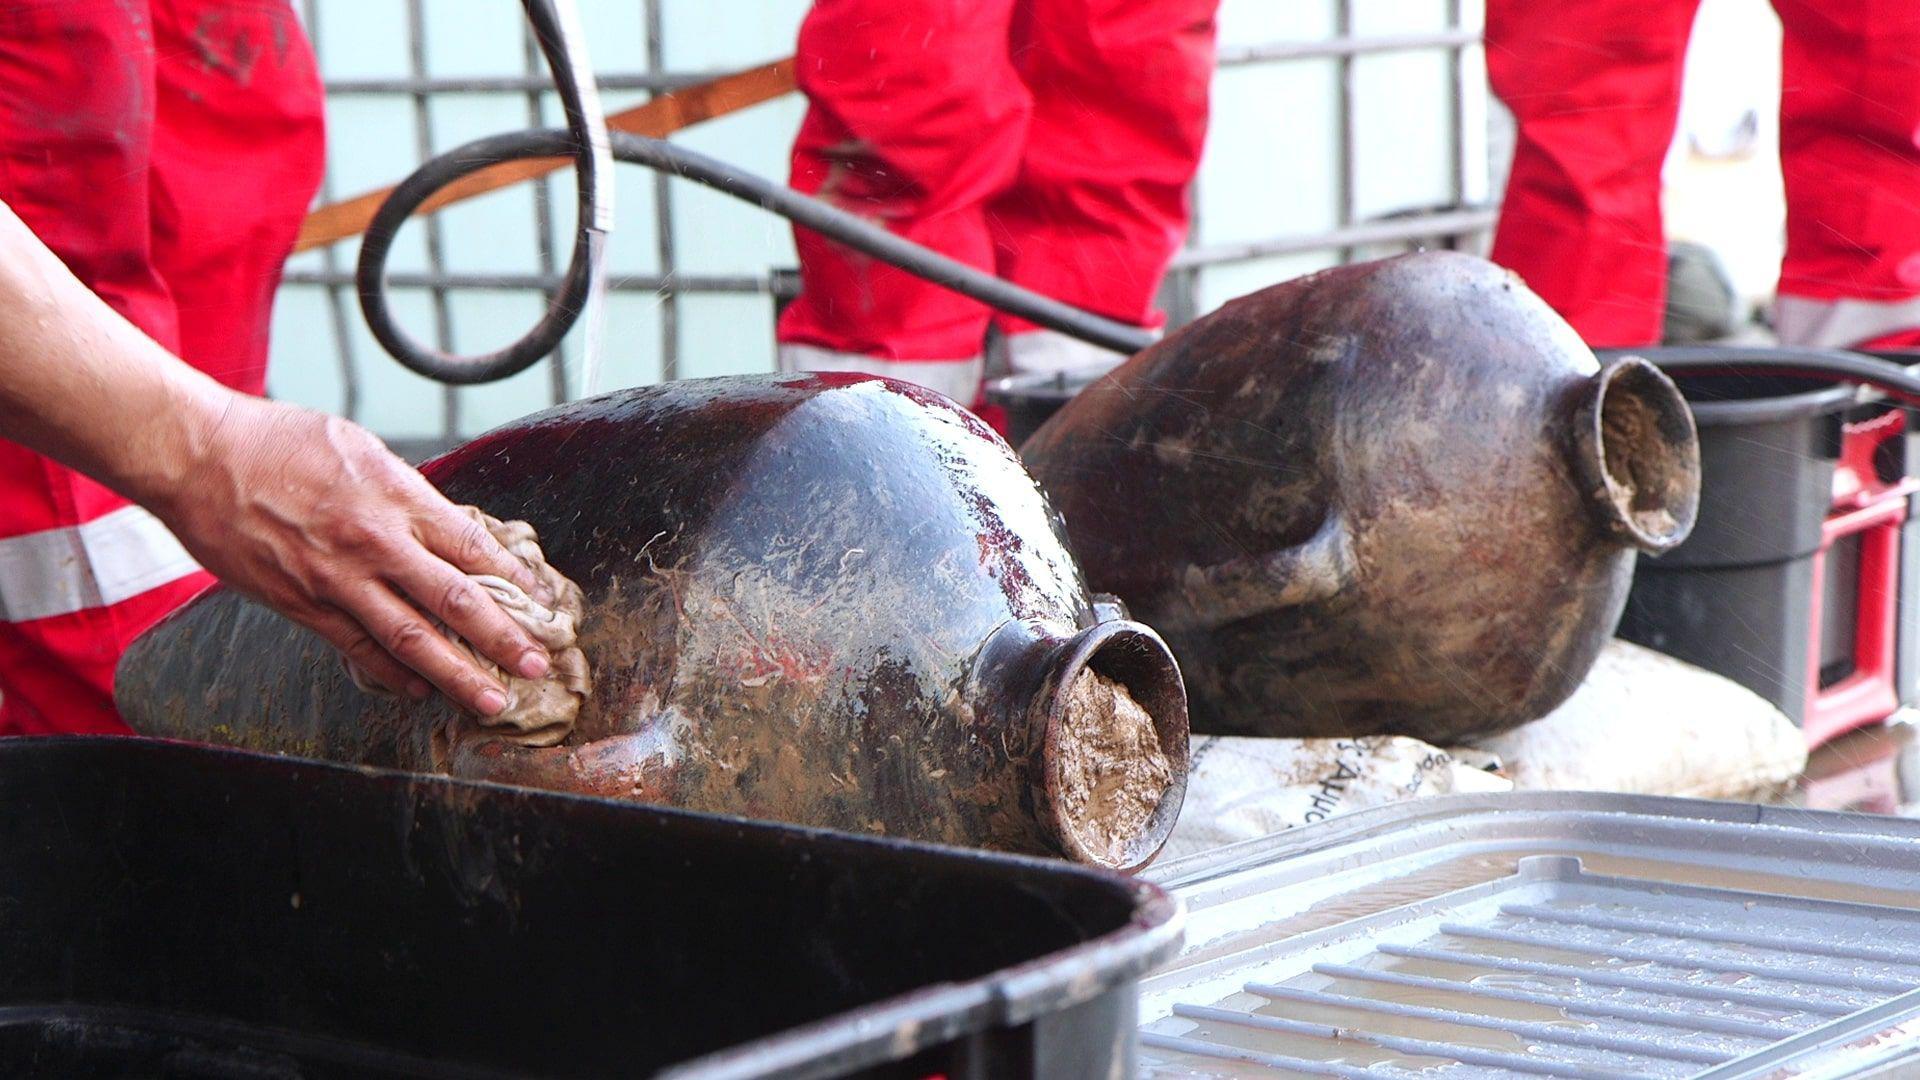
[
  {"x": 317, "y": 517},
  {"x": 346, "y": 635},
  {"x": 469, "y": 611},
  {"x": 462, "y": 540},
  {"x": 406, "y": 636}
]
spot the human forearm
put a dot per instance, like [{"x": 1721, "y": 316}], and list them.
[
  {"x": 310, "y": 513},
  {"x": 85, "y": 387}
]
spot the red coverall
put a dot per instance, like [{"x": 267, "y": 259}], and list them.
[
  {"x": 165, "y": 150},
  {"x": 1049, "y": 141},
  {"x": 1595, "y": 89}
]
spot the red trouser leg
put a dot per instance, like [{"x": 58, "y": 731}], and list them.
[
  {"x": 238, "y": 154},
  {"x": 1849, "y": 116},
  {"x": 83, "y": 161},
  {"x": 1120, "y": 114},
  {"x": 916, "y": 120},
  {"x": 1594, "y": 88},
  {"x": 76, "y": 132}
]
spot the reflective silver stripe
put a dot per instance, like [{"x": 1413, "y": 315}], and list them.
[
  {"x": 958, "y": 379},
  {"x": 109, "y": 559},
  {"x": 1838, "y": 324}
]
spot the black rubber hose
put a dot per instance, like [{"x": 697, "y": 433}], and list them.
[
  {"x": 1824, "y": 365},
  {"x": 870, "y": 239},
  {"x": 585, "y": 142},
  {"x": 810, "y": 213}
]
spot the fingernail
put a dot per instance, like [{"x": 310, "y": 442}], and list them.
[
  {"x": 492, "y": 702},
  {"x": 418, "y": 690},
  {"x": 533, "y": 665}
]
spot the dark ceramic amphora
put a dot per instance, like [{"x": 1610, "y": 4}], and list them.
[
  {"x": 825, "y": 599},
  {"x": 1400, "y": 496}
]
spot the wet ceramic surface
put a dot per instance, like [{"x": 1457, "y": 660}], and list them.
[
  {"x": 1392, "y": 497},
  {"x": 828, "y": 599}
]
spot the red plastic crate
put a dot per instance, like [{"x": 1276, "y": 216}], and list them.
[{"x": 1872, "y": 506}]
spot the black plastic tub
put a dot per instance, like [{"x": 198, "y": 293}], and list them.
[
  {"x": 175, "y": 911},
  {"x": 1748, "y": 623},
  {"x": 1768, "y": 447},
  {"x": 1737, "y": 597},
  {"x": 1031, "y": 400}
]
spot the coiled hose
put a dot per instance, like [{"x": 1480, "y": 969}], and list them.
[
  {"x": 811, "y": 213},
  {"x": 556, "y": 27}
]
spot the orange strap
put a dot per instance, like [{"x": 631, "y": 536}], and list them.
[{"x": 658, "y": 118}]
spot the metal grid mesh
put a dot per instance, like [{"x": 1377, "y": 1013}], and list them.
[
  {"x": 1452, "y": 224},
  {"x": 1446, "y": 225}
]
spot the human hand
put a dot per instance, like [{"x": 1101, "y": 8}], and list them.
[{"x": 314, "y": 516}]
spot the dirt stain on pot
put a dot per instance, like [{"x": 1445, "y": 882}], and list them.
[{"x": 1110, "y": 770}]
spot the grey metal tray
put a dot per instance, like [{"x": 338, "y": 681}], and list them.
[{"x": 1658, "y": 938}]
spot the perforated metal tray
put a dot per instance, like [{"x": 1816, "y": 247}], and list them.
[{"x": 1536, "y": 935}]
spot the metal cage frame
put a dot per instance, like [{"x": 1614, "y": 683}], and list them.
[{"x": 1450, "y": 224}]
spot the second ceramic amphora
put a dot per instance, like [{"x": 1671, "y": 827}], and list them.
[{"x": 1399, "y": 496}]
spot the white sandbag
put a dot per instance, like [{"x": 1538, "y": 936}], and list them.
[
  {"x": 1648, "y": 724},
  {"x": 1241, "y": 788},
  {"x": 1641, "y": 723}
]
